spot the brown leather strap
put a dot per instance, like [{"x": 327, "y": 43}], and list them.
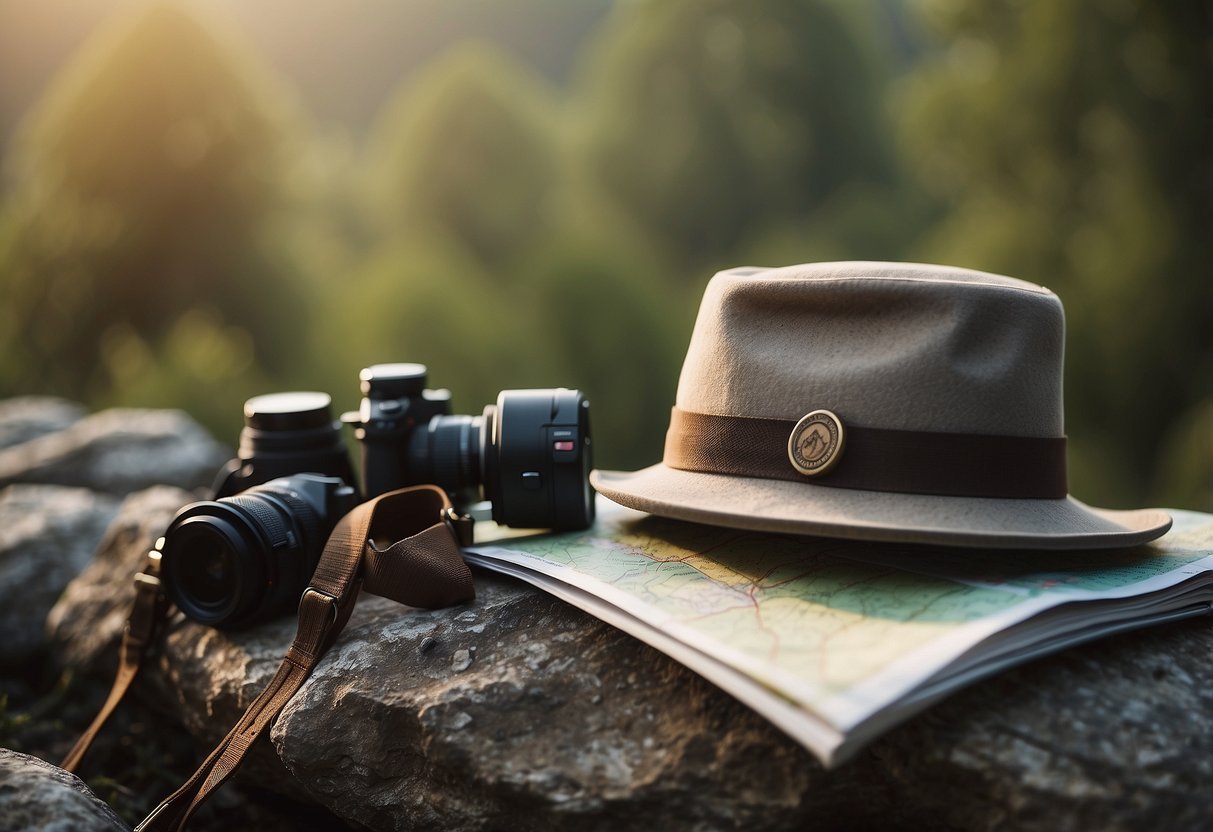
[
  {"x": 147, "y": 614},
  {"x": 874, "y": 459},
  {"x": 424, "y": 568}
]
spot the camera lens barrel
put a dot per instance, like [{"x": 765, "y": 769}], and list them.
[
  {"x": 295, "y": 410},
  {"x": 447, "y": 452},
  {"x": 239, "y": 560},
  {"x": 211, "y": 569},
  {"x": 285, "y": 434},
  {"x": 538, "y": 459}
]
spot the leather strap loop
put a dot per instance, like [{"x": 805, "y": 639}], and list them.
[
  {"x": 875, "y": 459},
  {"x": 147, "y": 614}
]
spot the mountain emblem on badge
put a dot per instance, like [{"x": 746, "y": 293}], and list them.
[{"x": 815, "y": 444}]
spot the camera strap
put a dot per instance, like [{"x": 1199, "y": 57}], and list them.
[
  {"x": 148, "y": 612},
  {"x": 420, "y": 567}
]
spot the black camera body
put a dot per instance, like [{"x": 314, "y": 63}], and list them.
[
  {"x": 395, "y": 403},
  {"x": 248, "y": 554},
  {"x": 239, "y": 560}
]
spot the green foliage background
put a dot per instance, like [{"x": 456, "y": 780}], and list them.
[{"x": 176, "y": 229}]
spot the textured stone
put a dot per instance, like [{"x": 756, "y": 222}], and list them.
[
  {"x": 87, "y": 621},
  {"x": 518, "y": 711},
  {"x": 118, "y": 451},
  {"x": 29, "y": 417},
  {"x": 1113, "y": 735},
  {"x": 36, "y": 796},
  {"x": 521, "y": 712},
  {"x": 47, "y": 536}
]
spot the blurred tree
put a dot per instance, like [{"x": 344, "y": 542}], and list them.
[
  {"x": 468, "y": 149},
  {"x": 709, "y": 121},
  {"x": 147, "y": 183},
  {"x": 1184, "y": 475},
  {"x": 603, "y": 319},
  {"x": 577, "y": 313},
  {"x": 493, "y": 272},
  {"x": 427, "y": 301},
  {"x": 1072, "y": 143}
]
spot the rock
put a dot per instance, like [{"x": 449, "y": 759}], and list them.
[
  {"x": 87, "y": 621},
  {"x": 521, "y": 712},
  {"x": 28, "y": 417},
  {"x": 1115, "y": 735},
  {"x": 118, "y": 451},
  {"x": 47, "y": 536},
  {"x": 38, "y": 797},
  {"x": 518, "y": 711}
]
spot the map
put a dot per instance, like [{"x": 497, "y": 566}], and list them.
[{"x": 837, "y": 630}]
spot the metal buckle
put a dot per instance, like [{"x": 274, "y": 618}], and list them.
[
  {"x": 149, "y": 580},
  {"x": 461, "y": 525},
  {"x": 332, "y": 599},
  {"x": 145, "y": 616}
]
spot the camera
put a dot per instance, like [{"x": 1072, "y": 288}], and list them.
[
  {"x": 285, "y": 434},
  {"x": 247, "y": 555},
  {"x": 239, "y": 560},
  {"x": 529, "y": 454}
]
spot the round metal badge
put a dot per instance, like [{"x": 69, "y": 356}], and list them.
[{"x": 816, "y": 443}]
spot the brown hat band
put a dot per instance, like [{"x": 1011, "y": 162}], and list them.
[{"x": 874, "y": 459}]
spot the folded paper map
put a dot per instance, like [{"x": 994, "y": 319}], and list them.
[{"x": 836, "y": 641}]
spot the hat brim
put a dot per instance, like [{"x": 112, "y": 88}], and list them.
[{"x": 805, "y": 508}]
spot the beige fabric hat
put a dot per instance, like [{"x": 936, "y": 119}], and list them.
[{"x": 879, "y": 401}]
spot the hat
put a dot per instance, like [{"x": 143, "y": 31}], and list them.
[{"x": 877, "y": 401}]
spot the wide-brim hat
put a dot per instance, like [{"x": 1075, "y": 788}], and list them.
[{"x": 878, "y": 401}]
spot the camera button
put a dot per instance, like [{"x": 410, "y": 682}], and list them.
[
  {"x": 390, "y": 406},
  {"x": 532, "y": 480}
]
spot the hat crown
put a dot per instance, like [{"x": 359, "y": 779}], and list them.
[{"x": 883, "y": 345}]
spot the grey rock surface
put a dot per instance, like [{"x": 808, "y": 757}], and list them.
[
  {"x": 47, "y": 536},
  {"x": 86, "y": 622},
  {"x": 36, "y": 796},
  {"x": 518, "y": 711},
  {"x": 29, "y": 417},
  {"x": 118, "y": 451},
  {"x": 1116, "y": 734}
]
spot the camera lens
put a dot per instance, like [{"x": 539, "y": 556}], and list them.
[
  {"x": 285, "y": 434},
  {"x": 529, "y": 454},
  {"x": 537, "y": 459},
  {"x": 298, "y": 410},
  {"x": 209, "y": 573},
  {"x": 298, "y": 423},
  {"x": 240, "y": 560},
  {"x": 447, "y": 452}
]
